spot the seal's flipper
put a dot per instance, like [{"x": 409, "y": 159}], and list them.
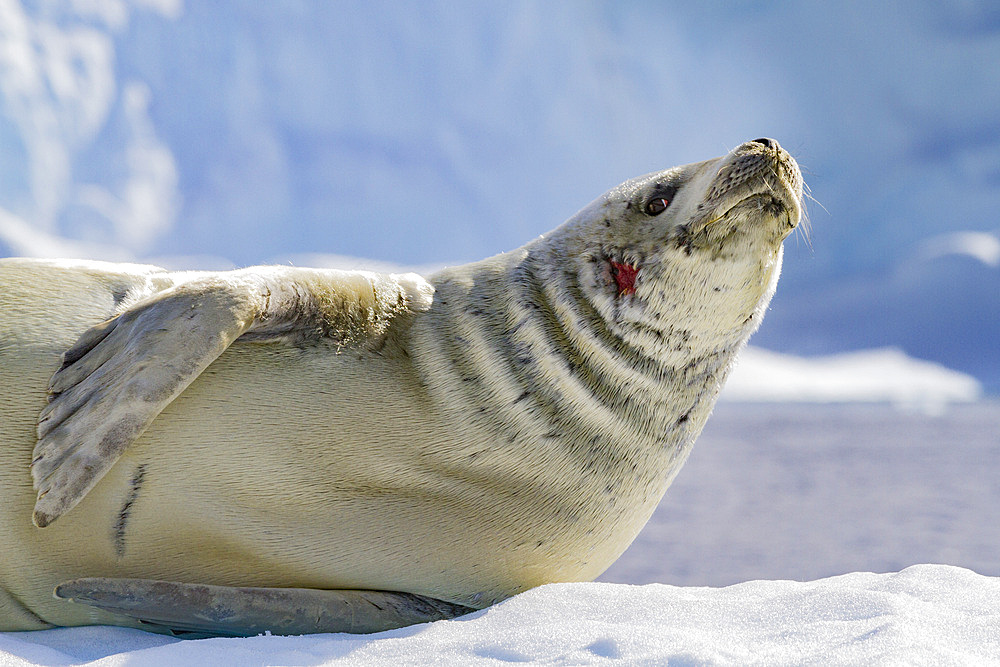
[
  {"x": 195, "y": 610},
  {"x": 117, "y": 378},
  {"x": 122, "y": 373}
]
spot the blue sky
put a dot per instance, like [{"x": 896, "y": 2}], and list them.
[{"x": 244, "y": 133}]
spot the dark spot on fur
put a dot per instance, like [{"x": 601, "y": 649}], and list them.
[
  {"x": 683, "y": 418},
  {"x": 521, "y": 397},
  {"x": 133, "y": 493}
]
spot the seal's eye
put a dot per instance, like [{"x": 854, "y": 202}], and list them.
[
  {"x": 662, "y": 195},
  {"x": 657, "y": 206}
]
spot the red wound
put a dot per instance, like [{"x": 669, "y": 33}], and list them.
[{"x": 625, "y": 277}]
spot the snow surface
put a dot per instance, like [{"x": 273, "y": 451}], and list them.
[
  {"x": 927, "y": 614},
  {"x": 886, "y": 375}
]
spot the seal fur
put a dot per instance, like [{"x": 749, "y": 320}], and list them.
[{"x": 500, "y": 425}]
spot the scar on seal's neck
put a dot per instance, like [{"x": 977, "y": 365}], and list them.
[{"x": 624, "y": 275}]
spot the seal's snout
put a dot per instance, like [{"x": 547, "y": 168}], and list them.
[
  {"x": 765, "y": 162},
  {"x": 757, "y": 186}
]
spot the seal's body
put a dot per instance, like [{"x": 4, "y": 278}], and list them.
[{"x": 450, "y": 441}]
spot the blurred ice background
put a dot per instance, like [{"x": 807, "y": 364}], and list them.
[{"x": 217, "y": 134}]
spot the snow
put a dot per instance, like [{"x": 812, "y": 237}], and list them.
[
  {"x": 926, "y": 614},
  {"x": 978, "y": 245},
  {"x": 61, "y": 97},
  {"x": 886, "y": 375}
]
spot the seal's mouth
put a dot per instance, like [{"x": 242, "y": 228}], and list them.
[
  {"x": 769, "y": 203},
  {"x": 766, "y": 204},
  {"x": 775, "y": 213}
]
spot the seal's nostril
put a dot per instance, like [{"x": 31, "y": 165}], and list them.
[{"x": 769, "y": 143}]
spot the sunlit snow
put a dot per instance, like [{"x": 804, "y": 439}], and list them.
[
  {"x": 928, "y": 614},
  {"x": 886, "y": 375}
]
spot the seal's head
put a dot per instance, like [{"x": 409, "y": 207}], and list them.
[{"x": 693, "y": 251}]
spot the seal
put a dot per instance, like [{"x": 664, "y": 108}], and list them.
[{"x": 303, "y": 450}]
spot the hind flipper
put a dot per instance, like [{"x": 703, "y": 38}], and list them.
[{"x": 197, "y": 610}]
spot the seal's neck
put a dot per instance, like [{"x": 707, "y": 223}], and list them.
[{"x": 517, "y": 337}]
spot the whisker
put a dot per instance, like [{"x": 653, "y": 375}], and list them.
[{"x": 805, "y": 224}]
